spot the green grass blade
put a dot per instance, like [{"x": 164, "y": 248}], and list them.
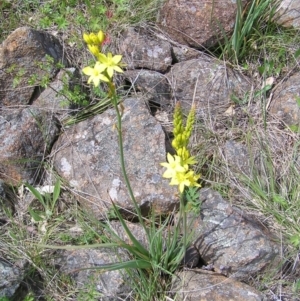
[
  {"x": 135, "y": 242},
  {"x": 132, "y": 264},
  {"x": 36, "y": 194},
  {"x": 81, "y": 247},
  {"x": 56, "y": 191}
]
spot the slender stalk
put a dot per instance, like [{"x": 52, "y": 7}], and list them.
[
  {"x": 114, "y": 99},
  {"x": 184, "y": 220}
]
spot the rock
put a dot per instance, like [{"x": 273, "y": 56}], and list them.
[
  {"x": 135, "y": 228},
  {"x": 286, "y": 101},
  {"x": 7, "y": 200},
  {"x": 237, "y": 157},
  {"x": 213, "y": 19},
  {"x": 141, "y": 50},
  {"x": 27, "y": 57},
  {"x": 288, "y": 13},
  {"x": 209, "y": 84},
  {"x": 54, "y": 98},
  {"x": 27, "y": 135},
  {"x": 184, "y": 53},
  {"x": 152, "y": 84},
  {"x": 198, "y": 285},
  {"x": 191, "y": 258},
  {"x": 83, "y": 267},
  {"x": 234, "y": 244},
  {"x": 11, "y": 276},
  {"x": 87, "y": 155}
]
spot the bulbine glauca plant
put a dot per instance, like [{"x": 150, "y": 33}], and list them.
[
  {"x": 166, "y": 246},
  {"x": 103, "y": 71}
]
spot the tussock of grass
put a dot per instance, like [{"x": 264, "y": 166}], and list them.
[{"x": 270, "y": 192}]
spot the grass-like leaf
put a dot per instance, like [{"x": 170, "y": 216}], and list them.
[{"x": 37, "y": 194}]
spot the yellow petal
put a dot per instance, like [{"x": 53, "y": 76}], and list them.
[
  {"x": 168, "y": 174},
  {"x": 103, "y": 78},
  {"x": 88, "y": 70},
  {"x": 117, "y": 58},
  {"x": 170, "y": 158},
  {"x": 110, "y": 71},
  {"x": 181, "y": 187},
  {"x": 164, "y": 164},
  {"x": 99, "y": 67},
  {"x": 174, "y": 181},
  {"x": 118, "y": 69},
  {"x": 96, "y": 81},
  {"x": 102, "y": 57}
]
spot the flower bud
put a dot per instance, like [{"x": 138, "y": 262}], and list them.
[
  {"x": 93, "y": 49},
  {"x": 175, "y": 144},
  {"x": 101, "y": 36},
  {"x": 190, "y": 122},
  {"x": 87, "y": 38},
  {"x": 94, "y": 38}
]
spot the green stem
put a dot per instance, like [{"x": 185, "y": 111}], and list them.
[
  {"x": 114, "y": 99},
  {"x": 184, "y": 220}
]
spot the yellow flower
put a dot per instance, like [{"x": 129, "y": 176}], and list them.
[
  {"x": 95, "y": 74},
  {"x": 183, "y": 179},
  {"x": 193, "y": 179},
  {"x": 179, "y": 173},
  {"x": 173, "y": 166},
  {"x": 110, "y": 63}
]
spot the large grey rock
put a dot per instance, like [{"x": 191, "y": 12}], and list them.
[
  {"x": 184, "y": 53},
  {"x": 141, "y": 50},
  {"x": 27, "y": 136},
  {"x": 231, "y": 242},
  {"x": 83, "y": 267},
  {"x": 237, "y": 157},
  {"x": 135, "y": 228},
  {"x": 288, "y": 13},
  {"x": 286, "y": 101},
  {"x": 198, "y": 23},
  {"x": 27, "y": 57},
  {"x": 7, "y": 201},
  {"x": 153, "y": 85},
  {"x": 209, "y": 84},
  {"x": 201, "y": 285},
  {"x": 11, "y": 276},
  {"x": 87, "y": 155},
  {"x": 58, "y": 97}
]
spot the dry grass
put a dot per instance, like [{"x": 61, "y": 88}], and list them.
[{"x": 268, "y": 189}]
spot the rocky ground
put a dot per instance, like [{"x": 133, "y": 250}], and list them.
[{"x": 246, "y": 139}]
